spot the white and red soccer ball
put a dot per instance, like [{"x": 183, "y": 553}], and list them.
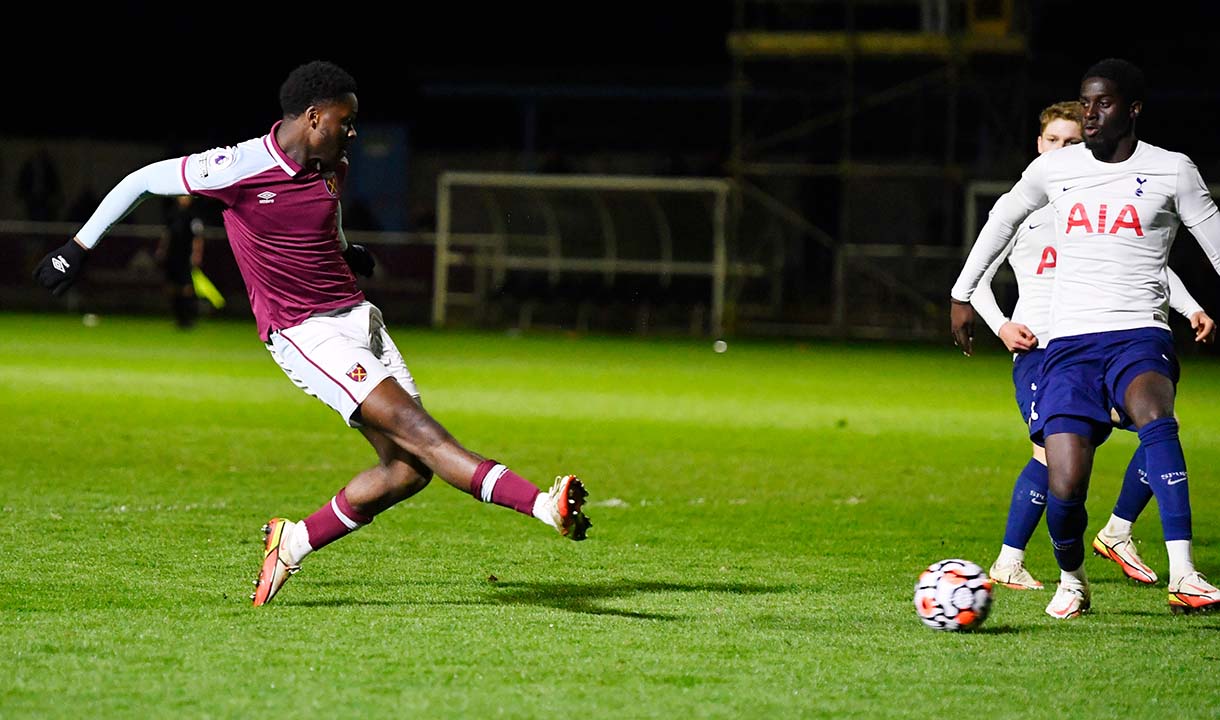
[{"x": 953, "y": 594}]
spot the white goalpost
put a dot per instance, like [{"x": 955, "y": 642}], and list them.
[{"x": 492, "y": 236}]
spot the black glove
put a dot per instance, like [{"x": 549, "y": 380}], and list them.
[
  {"x": 61, "y": 267},
  {"x": 359, "y": 259}
]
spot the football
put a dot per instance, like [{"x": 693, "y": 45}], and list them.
[{"x": 953, "y": 595}]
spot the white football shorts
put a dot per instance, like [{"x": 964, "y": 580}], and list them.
[{"x": 340, "y": 356}]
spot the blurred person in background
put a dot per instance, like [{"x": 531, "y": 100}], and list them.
[
  {"x": 39, "y": 188},
  {"x": 180, "y": 253}
]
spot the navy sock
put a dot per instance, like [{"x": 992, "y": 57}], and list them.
[
  {"x": 1166, "y": 467},
  {"x": 1066, "y": 521},
  {"x": 1027, "y": 505},
  {"x": 1136, "y": 492}
]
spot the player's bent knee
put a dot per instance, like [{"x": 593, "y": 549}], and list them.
[
  {"x": 401, "y": 481},
  {"x": 413, "y": 483}
]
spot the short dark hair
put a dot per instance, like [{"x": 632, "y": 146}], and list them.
[
  {"x": 314, "y": 83},
  {"x": 1128, "y": 78}
]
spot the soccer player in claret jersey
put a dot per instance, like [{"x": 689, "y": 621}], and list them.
[
  {"x": 1118, "y": 202},
  {"x": 1031, "y": 252},
  {"x": 281, "y": 196}
]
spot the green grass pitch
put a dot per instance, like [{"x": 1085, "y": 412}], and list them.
[{"x": 760, "y": 517}]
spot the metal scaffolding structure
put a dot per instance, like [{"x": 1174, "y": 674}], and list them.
[{"x": 855, "y": 126}]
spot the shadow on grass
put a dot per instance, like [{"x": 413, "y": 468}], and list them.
[
  {"x": 996, "y": 630},
  {"x": 585, "y": 598}
]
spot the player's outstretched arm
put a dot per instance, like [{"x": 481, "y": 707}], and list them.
[
  {"x": 1006, "y": 215},
  {"x": 984, "y": 301},
  {"x": 62, "y": 267},
  {"x": 1016, "y": 337}
]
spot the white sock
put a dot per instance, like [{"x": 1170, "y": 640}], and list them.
[
  {"x": 1073, "y": 578},
  {"x": 1010, "y": 555},
  {"x": 1180, "y": 561},
  {"x": 542, "y": 509},
  {"x": 296, "y": 546},
  {"x": 1118, "y": 528}
]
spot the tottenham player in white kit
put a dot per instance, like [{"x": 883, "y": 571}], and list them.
[
  {"x": 1032, "y": 254},
  {"x": 1118, "y": 203},
  {"x": 281, "y": 195}
]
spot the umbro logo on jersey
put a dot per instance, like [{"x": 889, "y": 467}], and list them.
[
  {"x": 266, "y": 197},
  {"x": 1139, "y": 191}
]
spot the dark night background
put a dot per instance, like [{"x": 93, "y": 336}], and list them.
[
  {"x": 547, "y": 86},
  {"x": 136, "y": 71}
]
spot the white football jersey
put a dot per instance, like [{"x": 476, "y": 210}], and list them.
[
  {"x": 1114, "y": 226},
  {"x": 1031, "y": 252},
  {"x": 1033, "y": 258}
]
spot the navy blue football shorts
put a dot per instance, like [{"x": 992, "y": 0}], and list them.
[
  {"x": 1026, "y": 375},
  {"x": 1084, "y": 376}
]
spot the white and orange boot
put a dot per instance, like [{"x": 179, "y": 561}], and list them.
[{"x": 276, "y": 568}]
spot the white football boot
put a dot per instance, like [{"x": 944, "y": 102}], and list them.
[
  {"x": 1013, "y": 575},
  {"x": 1070, "y": 601}
]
